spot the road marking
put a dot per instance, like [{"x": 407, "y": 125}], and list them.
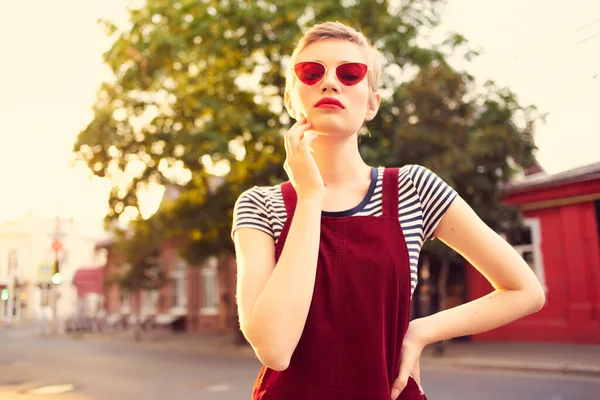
[
  {"x": 218, "y": 388},
  {"x": 53, "y": 389}
]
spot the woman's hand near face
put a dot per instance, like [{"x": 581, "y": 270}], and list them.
[{"x": 300, "y": 164}]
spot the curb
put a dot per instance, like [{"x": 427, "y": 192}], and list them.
[{"x": 512, "y": 365}]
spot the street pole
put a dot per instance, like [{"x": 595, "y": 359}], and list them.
[
  {"x": 12, "y": 286},
  {"x": 17, "y": 301},
  {"x": 55, "y": 277},
  {"x": 11, "y": 294},
  {"x": 53, "y": 327}
]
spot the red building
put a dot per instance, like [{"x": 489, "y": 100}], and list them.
[{"x": 562, "y": 212}]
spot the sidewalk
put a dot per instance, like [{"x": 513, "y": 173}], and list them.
[{"x": 571, "y": 359}]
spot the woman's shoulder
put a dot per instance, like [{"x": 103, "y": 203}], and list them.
[
  {"x": 261, "y": 194},
  {"x": 409, "y": 171},
  {"x": 257, "y": 207},
  {"x": 415, "y": 172}
]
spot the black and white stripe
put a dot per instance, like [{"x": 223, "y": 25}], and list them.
[{"x": 423, "y": 198}]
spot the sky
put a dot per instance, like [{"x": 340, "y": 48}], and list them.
[{"x": 548, "y": 53}]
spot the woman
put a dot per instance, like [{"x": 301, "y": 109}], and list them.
[{"x": 327, "y": 262}]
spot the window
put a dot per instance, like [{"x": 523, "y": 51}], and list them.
[
  {"x": 45, "y": 296},
  {"x": 210, "y": 292},
  {"x": 529, "y": 246},
  {"x": 179, "y": 292},
  {"x": 149, "y": 301}
]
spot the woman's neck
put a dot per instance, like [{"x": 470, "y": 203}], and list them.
[{"x": 339, "y": 160}]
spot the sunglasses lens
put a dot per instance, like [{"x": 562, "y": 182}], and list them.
[
  {"x": 309, "y": 72},
  {"x": 351, "y": 73}
]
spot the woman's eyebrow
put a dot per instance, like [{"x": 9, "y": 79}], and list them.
[{"x": 336, "y": 63}]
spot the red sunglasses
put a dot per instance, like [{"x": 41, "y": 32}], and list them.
[{"x": 312, "y": 72}]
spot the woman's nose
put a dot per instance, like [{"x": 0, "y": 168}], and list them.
[{"x": 330, "y": 81}]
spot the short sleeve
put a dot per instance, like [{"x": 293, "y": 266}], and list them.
[
  {"x": 250, "y": 211},
  {"x": 435, "y": 195}
]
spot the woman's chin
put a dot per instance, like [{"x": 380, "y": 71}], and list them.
[{"x": 331, "y": 128}]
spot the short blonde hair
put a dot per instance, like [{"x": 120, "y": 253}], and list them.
[{"x": 333, "y": 30}]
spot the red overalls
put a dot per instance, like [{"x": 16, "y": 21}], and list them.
[{"x": 351, "y": 343}]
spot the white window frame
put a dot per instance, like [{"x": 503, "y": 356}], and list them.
[
  {"x": 179, "y": 277},
  {"x": 210, "y": 288},
  {"x": 535, "y": 247},
  {"x": 126, "y": 302},
  {"x": 149, "y": 299},
  {"x": 45, "y": 299}
]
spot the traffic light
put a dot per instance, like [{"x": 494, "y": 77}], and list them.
[
  {"x": 4, "y": 295},
  {"x": 57, "y": 277}
]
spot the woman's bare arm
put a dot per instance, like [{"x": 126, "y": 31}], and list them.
[
  {"x": 518, "y": 291},
  {"x": 273, "y": 302}
]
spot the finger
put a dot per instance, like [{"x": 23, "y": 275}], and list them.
[
  {"x": 302, "y": 119},
  {"x": 296, "y": 133},
  {"x": 417, "y": 375},
  {"x": 309, "y": 136},
  {"x": 286, "y": 140},
  {"x": 407, "y": 363},
  {"x": 399, "y": 384}
]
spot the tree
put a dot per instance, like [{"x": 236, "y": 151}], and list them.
[
  {"x": 139, "y": 249},
  {"x": 197, "y": 100},
  {"x": 199, "y": 88}
]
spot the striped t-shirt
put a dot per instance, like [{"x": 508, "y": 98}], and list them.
[{"x": 423, "y": 198}]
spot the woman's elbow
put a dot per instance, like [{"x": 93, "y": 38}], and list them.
[
  {"x": 269, "y": 354},
  {"x": 272, "y": 359},
  {"x": 537, "y": 297}
]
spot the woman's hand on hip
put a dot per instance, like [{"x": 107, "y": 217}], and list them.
[
  {"x": 300, "y": 164},
  {"x": 412, "y": 346}
]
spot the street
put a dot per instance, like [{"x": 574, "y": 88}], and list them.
[{"x": 91, "y": 369}]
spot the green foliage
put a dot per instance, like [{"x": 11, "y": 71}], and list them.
[
  {"x": 470, "y": 139},
  {"x": 199, "y": 87}
]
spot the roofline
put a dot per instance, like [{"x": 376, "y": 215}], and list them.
[{"x": 538, "y": 181}]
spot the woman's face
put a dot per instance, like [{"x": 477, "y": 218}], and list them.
[{"x": 356, "y": 104}]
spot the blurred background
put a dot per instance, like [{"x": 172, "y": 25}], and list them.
[{"x": 129, "y": 128}]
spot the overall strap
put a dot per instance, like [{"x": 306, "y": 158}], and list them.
[
  {"x": 389, "y": 196},
  {"x": 289, "y": 198}
]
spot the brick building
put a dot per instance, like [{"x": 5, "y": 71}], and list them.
[{"x": 195, "y": 299}]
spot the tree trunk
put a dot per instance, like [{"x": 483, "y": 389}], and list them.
[
  {"x": 137, "y": 327},
  {"x": 442, "y": 290},
  {"x": 222, "y": 290}
]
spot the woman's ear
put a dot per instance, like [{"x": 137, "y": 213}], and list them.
[
  {"x": 373, "y": 106},
  {"x": 287, "y": 101}
]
